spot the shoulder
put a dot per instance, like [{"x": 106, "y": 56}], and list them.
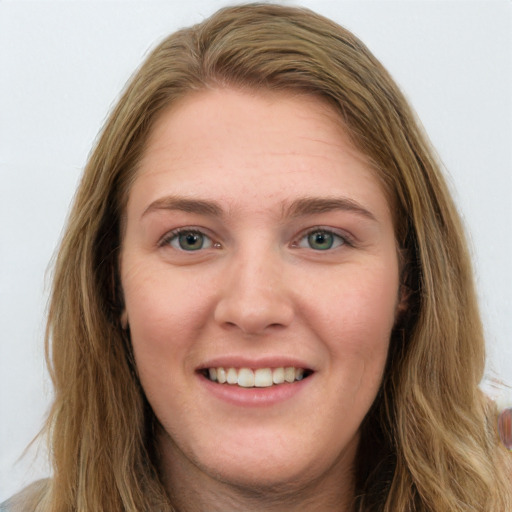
[
  {"x": 27, "y": 500},
  {"x": 5, "y": 506}
]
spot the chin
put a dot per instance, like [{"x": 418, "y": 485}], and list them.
[{"x": 260, "y": 465}]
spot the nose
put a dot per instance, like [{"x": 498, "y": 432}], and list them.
[{"x": 254, "y": 295}]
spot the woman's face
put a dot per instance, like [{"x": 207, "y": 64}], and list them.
[{"x": 259, "y": 248}]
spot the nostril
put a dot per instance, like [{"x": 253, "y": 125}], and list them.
[{"x": 276, "y": 325}]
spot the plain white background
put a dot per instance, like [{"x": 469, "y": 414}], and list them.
[{"x": 63, "y": 64}]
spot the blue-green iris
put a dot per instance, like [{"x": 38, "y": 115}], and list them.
[{"x": 321, "y": 240}]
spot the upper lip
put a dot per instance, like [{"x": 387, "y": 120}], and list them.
[{"x": 254, "y": 363}]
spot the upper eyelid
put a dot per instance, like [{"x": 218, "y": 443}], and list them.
[{"x": 326, "y": 229}]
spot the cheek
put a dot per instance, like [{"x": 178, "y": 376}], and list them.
[
  {"x": 162, "y": 322},
  {"x": 355, "y": 320},
  {"x": 359, "y": 303},
  {"x": 162, "y": 312}
]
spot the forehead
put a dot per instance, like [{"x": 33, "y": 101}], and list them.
[{"x": 247, "y": 144}]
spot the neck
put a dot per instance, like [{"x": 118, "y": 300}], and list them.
[{"x": 193, "y": 488}]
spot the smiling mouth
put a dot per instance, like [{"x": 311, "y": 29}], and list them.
[{"x": 259, "y": 378}]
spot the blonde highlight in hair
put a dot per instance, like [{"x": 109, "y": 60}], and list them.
[{"x": 429, "y": 442}]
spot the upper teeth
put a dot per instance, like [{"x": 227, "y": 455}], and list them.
[{"x": 260, "y": 378}]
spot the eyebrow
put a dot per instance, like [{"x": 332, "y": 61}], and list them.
[
  {"x": 316, "y": 205},
  {"x": 184, "y": 204},
  {"x": 297, "y": 208}
]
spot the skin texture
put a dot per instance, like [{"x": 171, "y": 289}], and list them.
[{"x": 258, "y": 294}]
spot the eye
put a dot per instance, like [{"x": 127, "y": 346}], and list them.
[
  {"x": 187, "y": 240},
  {"x": 321, "y": 240}
]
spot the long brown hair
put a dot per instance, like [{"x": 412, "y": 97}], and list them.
[{"x": 428, "y": 443}]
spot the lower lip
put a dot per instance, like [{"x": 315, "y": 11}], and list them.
[{"x": 254, "y": 397}]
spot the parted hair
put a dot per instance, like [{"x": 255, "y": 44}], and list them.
[{"x": 429, "y": 441}]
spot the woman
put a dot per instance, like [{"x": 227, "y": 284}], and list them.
[{"x": 263, "y": 299}]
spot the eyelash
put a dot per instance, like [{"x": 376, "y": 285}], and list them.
[{"x": 169, "y": 238}]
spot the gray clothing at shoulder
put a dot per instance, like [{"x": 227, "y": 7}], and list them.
[
  {"x": 5, "y": 507},
  {"x": 26, "y": 500}
]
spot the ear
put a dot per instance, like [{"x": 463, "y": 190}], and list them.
[
  {"x": 124, "y": 319},
  {"x": 404, "y": 291},
  {"x": 403, "y": 300}
]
